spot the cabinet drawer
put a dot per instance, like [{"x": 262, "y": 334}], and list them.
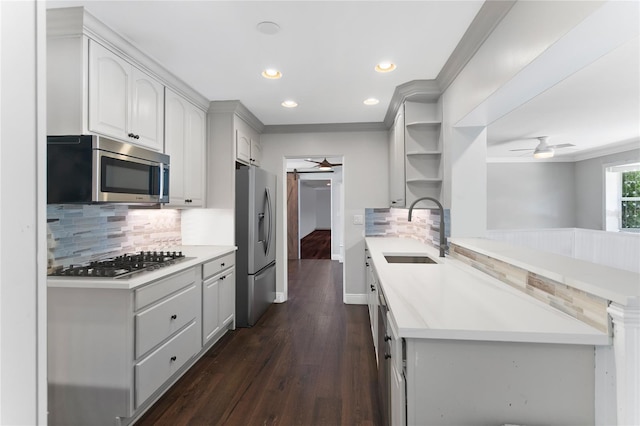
[
  {"x": 162, "y": 288},
  {"x": 154, "y": 370},
  {"x": 160, "y": 321},
  {"x": 217, "y": 265}
]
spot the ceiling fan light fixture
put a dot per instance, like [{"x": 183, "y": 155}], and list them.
[
  {"x": 325, "y": 168},
  {"x": 543, "y": 153}
]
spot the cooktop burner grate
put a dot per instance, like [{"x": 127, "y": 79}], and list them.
[{"x": 122, "y": 266}]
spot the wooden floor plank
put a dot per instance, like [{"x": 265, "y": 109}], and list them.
[{"x": 308, "y": 361}]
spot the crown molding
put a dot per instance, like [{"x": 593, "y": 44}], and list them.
[
  {"x": 425, "y": 90},
  {"x": 325, "y": 127},
  {"x": 486, "y": 20},
  {"x": 616, "y": 148},
  {"x": 237, "y": 108},
  {"x": 77, "y": 22}
]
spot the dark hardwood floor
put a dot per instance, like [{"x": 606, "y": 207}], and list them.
[
  {"x": 316, "y": 245},
  {"x": 308, "y": 361}
]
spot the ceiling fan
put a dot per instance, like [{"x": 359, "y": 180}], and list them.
[
  {"x": 324, "y": 164},
  {"x": 544, "y": 150}
]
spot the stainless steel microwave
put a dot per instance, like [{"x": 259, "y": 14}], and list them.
[{"x": 95, "y": 169}]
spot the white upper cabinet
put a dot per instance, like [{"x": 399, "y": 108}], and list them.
[
  {"x": 124, "y": 102},
  {"x": 248, "y": 148},
  {"x": 396, "y": 161},
  {"x": 185, "y": 145},
  {"x": 415, "y": 168}
]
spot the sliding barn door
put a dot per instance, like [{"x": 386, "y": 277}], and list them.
[{"x": 292, "y": 216}]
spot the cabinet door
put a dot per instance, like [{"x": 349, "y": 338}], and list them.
[
  {"x": 227, "y": 298},
  {"x": 243, "y": 147},
  {"x": 194, "y": 156},
  {"x": 210, "y": 308},
  {"x": 147, "y": 116},
  {"x": 174, "y": 145},
  {"x": 396, "y": 162},
  {"x": 256, "y": 153},
  {"x": 109, "y": 92}
]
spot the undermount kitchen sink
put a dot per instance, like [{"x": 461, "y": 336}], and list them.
[{"x": 409, "y": 259}]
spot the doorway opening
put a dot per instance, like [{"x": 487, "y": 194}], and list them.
[{"x": 314, "y": 200}]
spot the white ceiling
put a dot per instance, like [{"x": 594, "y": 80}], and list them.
[{"x": 327, "y": 51}]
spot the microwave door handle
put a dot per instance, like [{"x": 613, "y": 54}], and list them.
[{"x": 161, "y": 170}]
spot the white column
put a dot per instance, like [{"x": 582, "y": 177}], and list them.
[{"x": 626, "y": 346}]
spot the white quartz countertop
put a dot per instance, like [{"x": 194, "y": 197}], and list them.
[
  {"x": 613, "y": 284},
  {"x": 195, "y": 255},
  {"x": 450, "y": 300}
]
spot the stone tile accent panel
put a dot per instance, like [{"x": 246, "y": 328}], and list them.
[
  {"x": 583, "y": 306},
  {"x": 77, "y": 234},
  {"x": 393, "y": 222}
]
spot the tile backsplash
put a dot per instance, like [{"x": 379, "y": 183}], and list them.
[
  {"x": 79, "y": 233},
  {"x": 590, "y": 309},
  {"x": 393, "y": 222}
]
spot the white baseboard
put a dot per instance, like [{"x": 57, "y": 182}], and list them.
[
  {"x": 336, "y": 257},
  {"x": 280, "y": 297},
  {"x": 355, "y": 299}
]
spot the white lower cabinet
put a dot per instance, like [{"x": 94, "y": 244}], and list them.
[
  {"x": 155, "y": 369},
  {"x": 218, "y": 297},
  {"x": 113, "y": 352}
]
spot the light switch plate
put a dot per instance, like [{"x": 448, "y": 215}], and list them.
[{"x": 358, "y": 219}]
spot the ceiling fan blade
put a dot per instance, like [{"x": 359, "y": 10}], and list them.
[
  {"x": 523, "y": 149},
  {"x": 562, "y": 145}
]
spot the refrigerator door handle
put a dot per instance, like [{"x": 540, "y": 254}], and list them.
[{"x": 268, "y": 245}]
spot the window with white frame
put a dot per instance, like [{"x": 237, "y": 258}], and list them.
[{"x": 622, "y": 193}]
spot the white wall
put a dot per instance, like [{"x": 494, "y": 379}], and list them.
[
  {"x": 361, "y": 188},
  {"x": 482, "y": 91},
  {"x": 589, "y": 187},
  {"x": 306, "y": 210},
  {"x": 530, "y": 195},
  {"x": 323, "y": 208},
  {"x": 23, "y": 390}
]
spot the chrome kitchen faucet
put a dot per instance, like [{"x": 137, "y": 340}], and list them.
[{"x": 443, "y": 244}]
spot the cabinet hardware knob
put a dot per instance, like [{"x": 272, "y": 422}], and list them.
[
  {"x": 131, "y": 135},
  {"x": 174, "y": 316},
  {"x": 387, "y": 356},
  {"x": 173, "y": 358},
  {"x": 387, "y": 338},
  {"x": 222, "y": 278},
  {"x": 137, "y": 136}
]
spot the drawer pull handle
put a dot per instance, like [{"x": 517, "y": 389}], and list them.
[
  {"x": 222, "y": 278},
  {"x": 387, "y": 356},
  {"x": 173, "y": 358},
  {"x": 222, "y": 265},
  {"x": 174, "y": 316}
]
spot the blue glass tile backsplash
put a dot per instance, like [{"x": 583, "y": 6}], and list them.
[
  {"x": 78, "y": 233},
  {"x": 393, "y": 222}
]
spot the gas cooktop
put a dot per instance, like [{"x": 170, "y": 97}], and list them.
[{"x": 122, "y": 266}]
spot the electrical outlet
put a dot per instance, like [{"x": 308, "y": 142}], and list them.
[{"x": 358, "y": 219}]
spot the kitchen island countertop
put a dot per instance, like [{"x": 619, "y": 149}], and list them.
[
  {"x": 450, "y": 300},
  {"x": 195, "y": 255}
]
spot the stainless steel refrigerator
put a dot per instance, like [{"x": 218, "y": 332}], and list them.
[{"x": 256, "y": 241}]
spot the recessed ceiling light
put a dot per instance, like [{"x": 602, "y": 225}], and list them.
[
  {"x": 268, "y": 27},
  {"x": 272, "y": 74},
  {"x": 289, "y": 104},
  {"x": 385, "y": 67},
  {"x": 371, "y": 101}
]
